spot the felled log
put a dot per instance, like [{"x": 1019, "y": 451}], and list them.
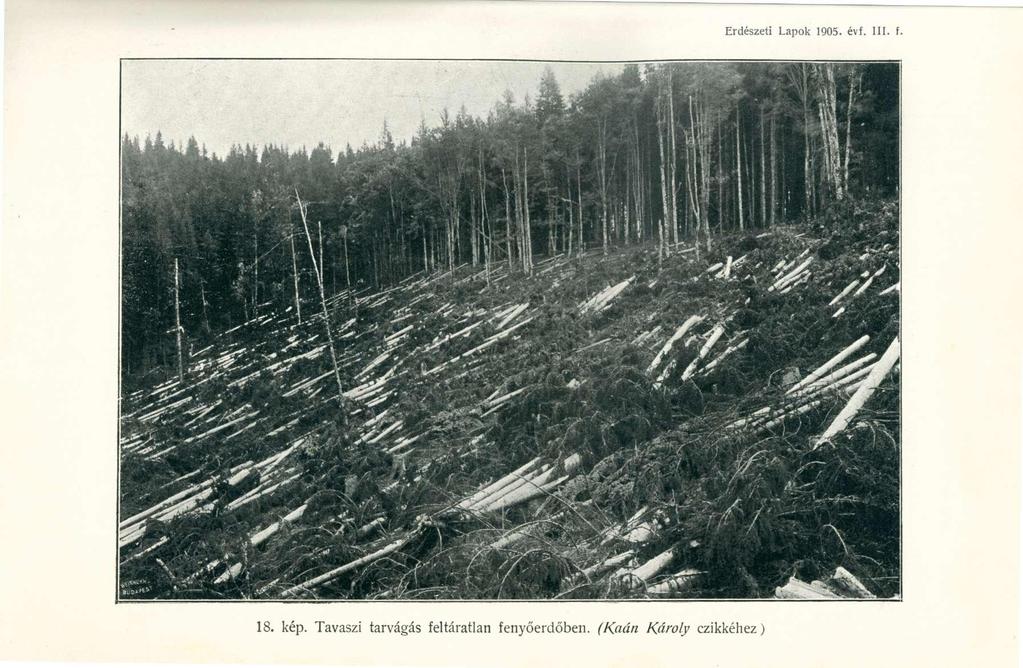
[
  {"x": 711, "y": 340},
  {"x": 600, "y": 301},
  {"x": 865, "y": 391},
  {"x": 510, "y": 487},
  {"x": 797, "y": 589},
  {"x": 529, "y": 488},
  {"x": 486, "y": 344},
  {"x": 230, "y": 574},
  {"x": 837, "y": 374},
  {"x": 613, "y": 532},
  {"x": 831, "y": 363},
  {"x": 799, "y": 403},
  {"x": 265, "y": 534},
  {"x": 792, "y": 275},
  {"x": 497, "y": 484},
  {"x": 492, "y": 405},
  {"x": 602, "y": 567},
  {"x": 332, "y": 574},
  {"x": 679, "y": 333},
  {"x": 639, "y": 576},
  {"x": 677, "y": 583},
  {"x": 259, "y": 492},
  {"x": 141, "y": 553},
  {"x": 642, "y": 337},
  {"x": 515, "y": 312},
  {"x": 526, "y": 493},
  {"x": 849, "y": 288},
  {"x": 842, "y": 584},
  {"x": 169, "y": 501},
  {"x": 728, "y": 351}
]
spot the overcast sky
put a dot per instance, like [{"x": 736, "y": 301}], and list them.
[{"x": 303, "y": 102}]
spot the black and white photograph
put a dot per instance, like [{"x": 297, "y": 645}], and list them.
[{"x": 467, "y": 330}]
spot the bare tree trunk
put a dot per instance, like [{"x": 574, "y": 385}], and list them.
[
  {"x": 774, "y": 171},
  {"x": 751, "y": 182},
  {"x": 319, "y": 235},
  {"x": 803, "y": 86},
  {"x": 704, "y": 145},
  {"x": 348, "y": 278},
  {"x": 854, "y": 83},
  {"x": 661, "y": 241},
  {"x": 738, "y": 164},
  {"x": 783, "y": 186},
  {"x": 519, "y": 215},
  {"x": 294, "y": 272},
  {"x": 571, "y": 216},
  {"x": 255, "y": 267},
  {"x": 473, "y": 232},
  {"x": 488, "y": 235},
  {"x": 451, "y": 233},
  {"x": 426, "y": 258},
  {"x": 826, "y": 107},
  {"x": 638, "y": 184},
  {"x": 205, "y": 317},
  {"x": 507, "y": 220},
  {"x": 579, "y": 193},
  {"x": 528, "y": 245},
  {"x": 720, "y": 176},
  {"x": 602, "y": 165},
  {"x": 177, "y": 322},
  {"x": 672, "y": 181},
  {"x": 326, "y": 315},
  {"x": 763, "y": 172},
  {"x": 696, "y": 175}
]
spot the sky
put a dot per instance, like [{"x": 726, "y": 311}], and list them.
[{"x": 304, "y": 102}]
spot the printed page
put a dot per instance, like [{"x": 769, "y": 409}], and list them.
[{"x": 502, "y": 334}]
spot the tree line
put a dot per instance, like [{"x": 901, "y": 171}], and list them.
[{"x": 658, "y": 154}]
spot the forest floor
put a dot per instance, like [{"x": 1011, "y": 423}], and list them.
[{"x": 543, "y": 437}]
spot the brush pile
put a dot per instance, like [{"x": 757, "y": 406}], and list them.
[{"x": 722, "y": 427}]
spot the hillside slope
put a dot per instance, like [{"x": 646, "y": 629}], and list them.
[{"x": 605, "y": 428}]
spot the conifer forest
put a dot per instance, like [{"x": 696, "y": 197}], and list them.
[{"x": 635, "y": 340}]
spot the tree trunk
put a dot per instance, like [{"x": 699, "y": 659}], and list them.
[
  {"x": 528, "y": 245},
  {"x": 672, "y": 180},
  {"x": 205, "y": 316},
  {"x": 177, "y": 322},
  {"x": 319, "y": 234},
  {"x": 854, "y": 83},
  {"x": 579, "y": 193},
  {"x": 738, "y": 165},
  {"x": 866, "y": 389},
  {"x": 484, "y": 230},
  {"x": 326, "y": 315},
  {"x": 720, "y": 177},
  {"x": 507, "y": 220},
  {"x": 602, "y": 167},
  {"x": 255, "y": 267},
  {"x": 294, "y": 272},
  {"x": 774, "y": 171},
  {"x": 661, "y": 241},
  {"x": 348, "y": 278},
  {"x": 826, "y": 107},
  {"x": 571, "y": 216},
  {"x": 763, "y": 172}
]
